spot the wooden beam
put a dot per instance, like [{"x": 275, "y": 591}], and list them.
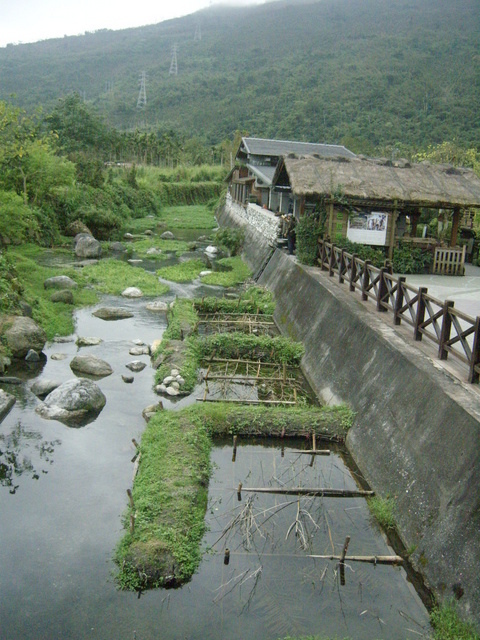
[
  {"x": 303, "y": 491},
  {"x": 455, "y": 225}
]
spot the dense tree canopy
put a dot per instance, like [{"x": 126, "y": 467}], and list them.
[{"x": 366, "y": 73}]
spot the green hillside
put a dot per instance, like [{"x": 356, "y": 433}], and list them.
[{"x": 365, "y": 73}]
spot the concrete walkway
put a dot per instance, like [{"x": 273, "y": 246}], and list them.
[{"x": 463, "y": 290}]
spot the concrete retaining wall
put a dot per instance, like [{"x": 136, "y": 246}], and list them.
[{"x": 417, "y": 431}]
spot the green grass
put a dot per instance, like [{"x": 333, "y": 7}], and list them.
[
  {"x": 383, "y": 510},
  {"x": 188, "y": 217},
  {"x": 238, "y": 272},
  {"x": 170, "y": 497},
  {"x": 140, "y": 225},
  {"x": 278, "y": 349},
  {"x": 55, "y": 318},
  {"x": 253, "y": 300},
  {"x": 182, "y": 272},
  {"x": 447, "y": 624},
  {"x": 113, "y": 276},
  {"x": 170, "y": 489},
  {"x": 140, "y": 247}
]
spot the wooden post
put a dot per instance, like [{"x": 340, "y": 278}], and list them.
[
  {"x": 365, "y": 280},
  {"x": 226, "y": 557},
  {"x": 132, "y": 523},
  {"x": 391, "y": 240},
  {"x": 330, "y": 219},
  {"x": 446, "y": 329},
  {"x": 341, "y": 267},
  {"x": 302, "y": 206},
  {"x": 239, "y": 492},
  {"x": 342, "y": 561},
  {"x": 474, "y": 373},
  {"x": 323, "y": 255},
  {"x": 330, "y": 262},
  {"x": 420, "y": 317},
  {"x": 130, "y": 497},
  {"x": 399, "y": 300},
  {"x": 414, "y": 219},
  {"x": 382, "y": 290},
  {"x": 234, "y": 454},
  {"x": 455, "y": 225},
  {"x": 353, "y": 273}
]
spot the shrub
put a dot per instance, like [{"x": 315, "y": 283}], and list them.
[
  {"x": 411, "y": 259},
  {"x": 308, "y": 230},
  {"x": 231, "y": 239},
  {"x": 363, "y": 251}
]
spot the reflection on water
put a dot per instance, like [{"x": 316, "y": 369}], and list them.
[
  {"x": 271, "y": 587},
  {"x": 24, "y": 452},
  {"x": 58, "y": 534}
]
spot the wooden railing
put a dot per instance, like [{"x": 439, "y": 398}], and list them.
[{"x": 454, "y": 332}]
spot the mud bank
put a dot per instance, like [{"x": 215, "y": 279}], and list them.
[{"x": 416, "y": 434}]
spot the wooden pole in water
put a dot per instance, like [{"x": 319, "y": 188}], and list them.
[
  {"x": 239, "y": 492},
  {"x": 368, "y": 559},
  {"x": 302, "y": 491},
  {"x": 342, "y": 561},
  {"x": 234, "y": 455},
  {"x": 226, "y": 557}
]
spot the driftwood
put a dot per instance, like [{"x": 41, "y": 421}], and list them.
[
  {"x": 369, "y": 559},
  {"x": 238, "y": 400}
]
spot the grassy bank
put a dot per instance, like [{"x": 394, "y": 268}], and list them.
[
  {"x": 55, "y": 317},
  {"x": 114, "y": 276},
  {"x": 170, "y": 490}
]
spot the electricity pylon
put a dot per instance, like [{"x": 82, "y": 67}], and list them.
[
  {"x": 174, "y": 64},
  {"x": 142, "y": 95}
]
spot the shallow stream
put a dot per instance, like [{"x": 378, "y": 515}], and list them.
[{"x": 63, "y": 493}]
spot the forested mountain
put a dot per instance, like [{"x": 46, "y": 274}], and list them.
[{"x": 364, "y": 73}]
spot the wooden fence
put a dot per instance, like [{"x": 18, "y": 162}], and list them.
[{"x": 452, "y": 330}]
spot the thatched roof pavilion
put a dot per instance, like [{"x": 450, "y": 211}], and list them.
[
  {"x": 377, "y": 184},
  {"x": 380, "y": 181}
]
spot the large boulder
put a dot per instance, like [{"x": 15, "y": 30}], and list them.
[
  {"x": 65, "y": 296},
  {"x": 75, "y": 402},
  {"x": 20, "y": 334},
  {"x": 6, "y": 403},
  {"x": 157, "y": 305},
  {"x": 76, "y": 227},
  {"x": 86, "y": 246},
  {"x": 91, "y": 365},
  {"x": 112, "y": 313},
  {"x": 132, "y": 292},
  {"x": 43, "y": 386},
  {"x": 60, "y": 282}
]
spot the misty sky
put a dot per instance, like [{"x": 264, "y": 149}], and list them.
[{"x": 33, "y": 20}]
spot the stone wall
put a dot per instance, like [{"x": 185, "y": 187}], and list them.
[
  {"x": 416, "y": 435},
  {"x": 262, "y": 220}
]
